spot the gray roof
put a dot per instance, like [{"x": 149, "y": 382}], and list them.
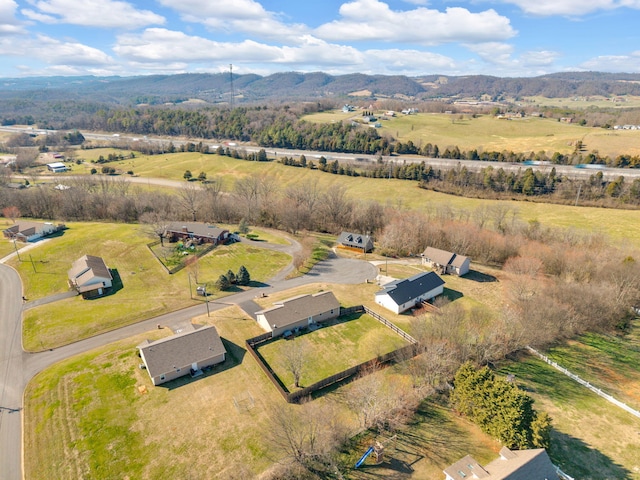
[
  {"x": 403, "y": 291},
  {"x": 86, "y": 268},
  {"x": 299, "y": 308},
  {"x": 25, "y": 228},
  {"x": 443, "y": 257},
  {"x": 355, "y": 240},
  {"x": 196, "y": 229},
  {"x": 181, "y": 350},
  {"x": 533, "y": 464}
]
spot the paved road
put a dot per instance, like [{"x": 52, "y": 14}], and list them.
[{"x": 17, "y": 367}]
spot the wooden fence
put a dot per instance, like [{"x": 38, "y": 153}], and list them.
[
  {"x": 399, "y": 355},
  {"x": 177, "y": 268}
]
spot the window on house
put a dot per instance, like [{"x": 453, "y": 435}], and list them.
[
  {"x": 162, "y": 377},
  {"x": 177, "y": 369}
]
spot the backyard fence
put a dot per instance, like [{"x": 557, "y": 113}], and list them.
[
  {"x": 596, "y": 390},
  {"x": 401, "y": 354},
  {"x": 177, "y": 268}
]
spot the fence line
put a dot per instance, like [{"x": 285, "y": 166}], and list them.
[
  {"x": 182, "y": 265},
  {"x": 596, "y": 390}
]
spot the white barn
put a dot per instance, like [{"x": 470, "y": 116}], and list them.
[{"x": 401, "y": 295}]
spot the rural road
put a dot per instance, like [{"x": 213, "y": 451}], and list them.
[{"x": 17, "y": 367}]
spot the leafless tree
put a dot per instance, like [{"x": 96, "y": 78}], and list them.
[
  {"x": 156, "y": 224},
  {"x": 190, "y": 198},
  {"x": 294, "y": 358},
  {"x": 335, "y": 208},
  {"x": 12, "y": 212}
]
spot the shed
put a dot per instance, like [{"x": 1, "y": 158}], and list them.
[{"x": 57, "y": 167}]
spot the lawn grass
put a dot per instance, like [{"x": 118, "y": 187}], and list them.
[
  {"x": 591, "y": 438},
  {"x": 85, "y": 418},
  {"x": 147, "y": 289},
  {"x": 339, "y": 345}
]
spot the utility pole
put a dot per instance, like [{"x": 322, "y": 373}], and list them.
[
  {"x": 16, "y": 248},
  {"x": 206, "y": 299}
]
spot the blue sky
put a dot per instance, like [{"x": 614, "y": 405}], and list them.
[{"x": 408, "y": 37}]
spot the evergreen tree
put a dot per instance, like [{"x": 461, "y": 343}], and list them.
[
  {"x": 232, "y": 277},
  {"x": 243, "y": 277},
  {"x": 223, "y": 283}
]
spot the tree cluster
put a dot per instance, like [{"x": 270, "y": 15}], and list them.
[{"x": 226, "y": 281}]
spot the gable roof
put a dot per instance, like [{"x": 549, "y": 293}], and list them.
[
  {"x": 26, "y": 228},
  {"x": 355, "y": 240},
  {"x": 443, "y": 257},
  {"x": 292, "y": 310},
  {"x": 181, "y": 350},
  {"x": 403, "y": 291},
  {"x": 533, "y": 464},
  {"x": 87, "y": 268},
  {"x": 196, "y": 229}
]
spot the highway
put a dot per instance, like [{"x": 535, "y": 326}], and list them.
[{"x": 569, "y": 171}]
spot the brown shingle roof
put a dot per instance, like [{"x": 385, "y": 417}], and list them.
[
  {"x": 533, "y": 464},
  {"x": 441, "y": 257},
  {"x": 292, "y": 310},
  {"x": 86, "y": 268},
  {"x": 196, "y": 229}
]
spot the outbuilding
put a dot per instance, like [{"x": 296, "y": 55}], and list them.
[{"x": 57, "y": 167}]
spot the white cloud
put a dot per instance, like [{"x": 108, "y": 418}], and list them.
[
  {"x": 54, "y": 52},
  {"x": 539, "y": 58},
  {"x": 493, "y": 52},
  {"x": 572, "y": 8},
  {"x": 407, "y": 62},
  {"x": 92, "y": 13},
  {"x": 374, "y": 20},
  {"x": 614, "y": 63},
  {"x": 9, "y": 25}
]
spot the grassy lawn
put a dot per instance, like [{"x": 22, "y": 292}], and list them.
[
  {"x": 339, "y": 345},
  {"x": 592, "y": 438},
  {"x": 85, "y": 417},
  {"x": 147, "y": 289}
]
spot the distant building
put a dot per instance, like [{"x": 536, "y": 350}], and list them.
[
  {"x": 401, "y": 295},
  {"x": 57, "y": 167},
  {"x": 355, "y": 241},
  {"x": 25, "y": 231},
  {"x": 200, "y": 232},
  {"x": 531, "y": 464}
]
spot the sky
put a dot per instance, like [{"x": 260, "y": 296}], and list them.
[{"x": 388, "y": 37}]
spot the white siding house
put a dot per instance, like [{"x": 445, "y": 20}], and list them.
[{"x": 401, "y": 295}]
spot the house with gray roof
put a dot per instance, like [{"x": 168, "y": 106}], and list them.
[
  {"x": 401, "y": 295},
  {"x": 196, "y": 231},
  {"x": 185, "y": 353},
  {"x": 26, "y": 231},
  {"x": 533, "y": 464},
  {"x": 298, "y": 312},
  {"x": 445, "y": 262},
  {"x": 356, "y": 241},
  {"x": 90, "y": 276}
]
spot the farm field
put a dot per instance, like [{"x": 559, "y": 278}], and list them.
[
  {"x": 144, "y": 288},
  {"x": 487, "y": 133},
  {"x": 619, "y": 225},
  {"x": 591, "y": 438},
  {"x": 339, "y": 345}
]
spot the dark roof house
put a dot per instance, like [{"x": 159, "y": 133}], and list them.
[
  {"x": 299, "y": 312},
  {"x": 185, "y": 353},
  {"x": 355, "y": 240},
  {"x": 533, "y": 464},
  {"x": 201, "y": 232},
  {"x": 401, "y": 295},
  {"x": 90, "y": 276}
]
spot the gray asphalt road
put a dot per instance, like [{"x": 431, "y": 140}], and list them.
[{"x": 17, "y": 368}]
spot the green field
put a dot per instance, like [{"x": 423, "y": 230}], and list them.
[
  {"x": 146, "y": 289},
  {"x": 336, "y": 347}
]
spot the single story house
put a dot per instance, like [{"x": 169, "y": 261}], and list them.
[
  {"x": 355, "y": 240},
  {"x": 57, "y": 167},
  {"x": 533, "y": 464},
  {"x": 25, "y": 231},
  {"x": 199, "y": 232},
  {"x": 299, "y": 312},
  {"x": 401, "y": 295},
  {"x": 185, "y": 353},
  {"x": 90, "y": 276},
  {"x": 446, "y": 262}
]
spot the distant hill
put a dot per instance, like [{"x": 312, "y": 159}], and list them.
[{"x": 216, "y": 88}]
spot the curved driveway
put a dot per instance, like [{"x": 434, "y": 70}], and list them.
[{"x": 17, "y": 367}]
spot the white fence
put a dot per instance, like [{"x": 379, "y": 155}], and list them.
[{"x": 585, "y": 383}]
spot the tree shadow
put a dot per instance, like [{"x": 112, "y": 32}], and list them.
[
  {"x": 576, "y": 458},
  {"x": 452, "y": 295},
  {"x": 233, "y": 358},
  {"x": 480, "y": 277}
]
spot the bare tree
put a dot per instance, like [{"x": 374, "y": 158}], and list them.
[
  {"x": 294, "y": 358},
  {"x": 190, "y": 198},
  {"x": 12, "y": 212},
  {"x": 156, "y": 224}
]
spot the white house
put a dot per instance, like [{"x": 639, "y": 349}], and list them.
[
  {"x": 446, "y": 262},
  {"x": 401, "y": 295},
  {"x": 57, "y": 167},
  {"x": 299, "y": 312},
  {"x": 25, "y": 231}
]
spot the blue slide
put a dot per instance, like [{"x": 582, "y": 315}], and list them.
[{"x": 364, "y": 457}]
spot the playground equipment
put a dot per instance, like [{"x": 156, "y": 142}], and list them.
[
  {"x": 364, "y": 457},
  {"x": 377, "y": 449}
]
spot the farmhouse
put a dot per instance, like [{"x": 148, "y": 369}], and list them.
[
  {"x": 57, "y": 167},
  {"x": 198, "y": 232},
  {"x": 531, "y": 464},
  {"x": 445, "y": 262},
  {"x": 185, "y": 353},
  {"x": 24, "y": 231},
  {"x": 298, "y": 312},
  {"x": 401, "y": 295},
  {"x": 90, "y": 276},
  {"x": 355, "y": 240}
]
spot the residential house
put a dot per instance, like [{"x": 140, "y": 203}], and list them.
[
  {"x": 90, "y": 276},
  {"x": 355, "y": 240},
  {"x": 57, "y": 167},
  {"x": 198, "y": 232},
  {"x": 531, "y": 464},
  {"x": 446, "y": 262},
  {"x": 25, "y": 231},
  {"x": 401, "y": 295},
  {"x": 299, "y": 312},
  {"x": 186, "y": 352}
]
